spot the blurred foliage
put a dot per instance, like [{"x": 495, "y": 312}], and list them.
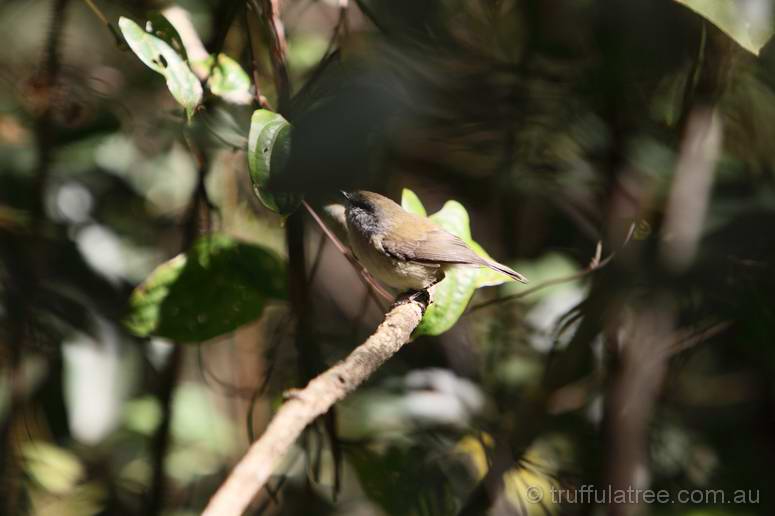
[
  {"x": 236, "y": 279},
  {"x": 557, "y": 125}
]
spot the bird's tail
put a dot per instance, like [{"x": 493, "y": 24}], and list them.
[{"x": 505, "y": 270}]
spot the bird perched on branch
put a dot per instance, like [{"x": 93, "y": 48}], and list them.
[{"x": 404, "y": 250}]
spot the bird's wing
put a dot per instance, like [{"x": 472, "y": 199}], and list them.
[{"x": 430, "y": 244}]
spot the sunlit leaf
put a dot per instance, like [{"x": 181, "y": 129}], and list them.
[
  {"x": 160, "y": 57},
  {"x": 235, "y": 280},
  {"x": 411, "y": 203},
  {"x": 530, "y": 490},
  {"x": 748, "y": 23},
  {"x": 451, "y": 296},
  {"x": 55, "y": 469},
  {"x": 269, "y": 147},
  {"x": 228, "y": 80}
]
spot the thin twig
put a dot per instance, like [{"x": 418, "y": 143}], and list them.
[
  {"x": 271, "y": 492},
  {"x": 595, "y": 264},
  {"x": 340, "y": 27},
  {"x": 104, "y": 19},
  {"x": 260, "y": 99},
  {"x": 367, "y": 277},
  {"x": 269, "y": 12},
  {"x": 548, "y": 283},
  {"x": 193, "y": 224},
  {"x": 320, "y": 394},
  {"x": 161, "y": 439},
  {"x": 693, "y": 339},
  {"x": 226, "y": 388},
  {"x": 330, "y": 234}
]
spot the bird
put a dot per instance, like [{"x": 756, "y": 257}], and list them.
[{"x": 406, "y": 251}]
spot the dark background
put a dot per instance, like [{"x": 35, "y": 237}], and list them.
[{"x": 559, "y": 125}]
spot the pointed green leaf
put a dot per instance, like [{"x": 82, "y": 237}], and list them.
[
  {"x": 217, "y": 286},
  {"x": 750, "y": 28},
  {"x": 451, "y": 296},
  {"x": 160, "y": 57},
  {"x": 411, "y": 203},
  {"x": 269, "y": 147}
]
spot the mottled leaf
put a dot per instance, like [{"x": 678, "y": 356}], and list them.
[
  {"x": 269, "y": 147},
  {"x": 217, "y": 286},
  {"x": 451, "y": 296},
  {"x": 228, "y": 80},
  {"x": 160, "y": 26},
  {"x": 160, "y": 57}
]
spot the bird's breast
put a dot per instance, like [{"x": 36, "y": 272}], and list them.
[{"x": 395, "y": 273}]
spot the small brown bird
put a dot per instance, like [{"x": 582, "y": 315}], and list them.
[{"x": 404, "y": 250}]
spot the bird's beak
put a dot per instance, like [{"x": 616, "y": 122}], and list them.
[{"x": 345, "y": 194}]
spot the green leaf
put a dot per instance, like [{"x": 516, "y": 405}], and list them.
[
  {"x": 160, "y": 57},
  {"x": 228, "y": 80},
  {"x": 411, "y": 203},
  {"x": 746, "y": 26},
  {"x": 217, "y": 286},
  {"x": 269, "y": 147},
  {"x": 452, "y": 295}
]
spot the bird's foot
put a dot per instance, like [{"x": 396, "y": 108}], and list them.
[
  {"x": 421, "y": 296},
  {"x": 424, "y": 297}
]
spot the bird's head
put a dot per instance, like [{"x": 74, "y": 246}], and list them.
[{"x": 368, "y": 211}]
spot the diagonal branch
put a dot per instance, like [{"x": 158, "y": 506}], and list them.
[
  {"x": 320, "y": 394},
  {"x": 371, "y": 284}
]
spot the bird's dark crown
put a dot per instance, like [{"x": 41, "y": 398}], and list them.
[
  {"x": 360, "y": 200},
  {"x": 363, "y": 211}
]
